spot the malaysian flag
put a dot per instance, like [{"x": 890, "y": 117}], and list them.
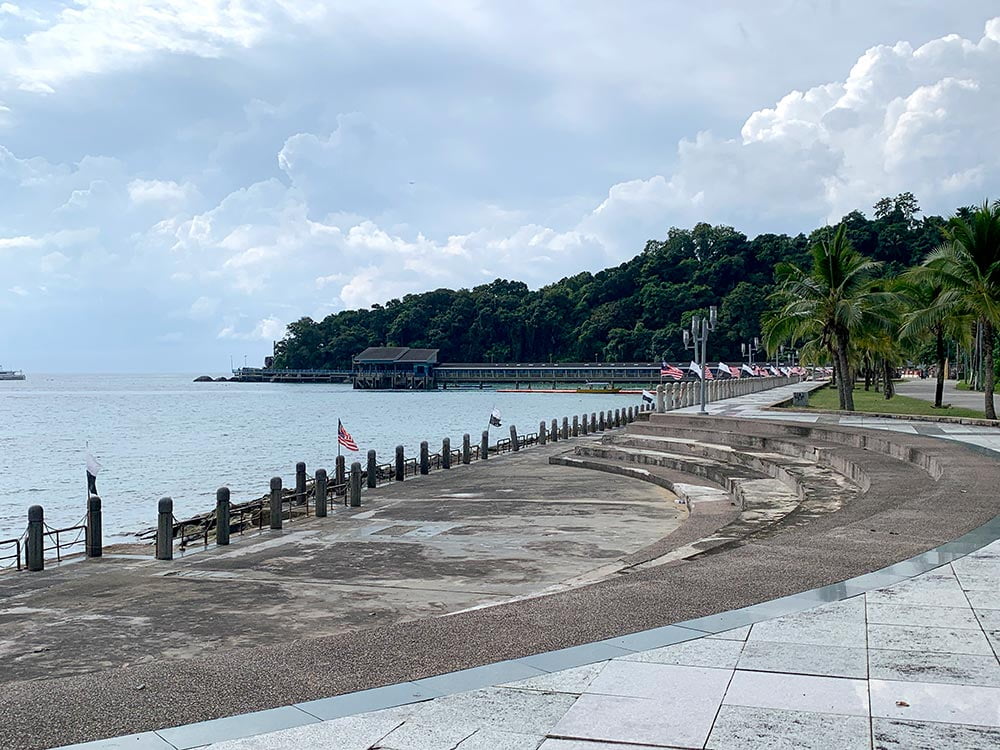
[
  {"x": 344, "y": 437},
  {"x": 669, "y": 371}
]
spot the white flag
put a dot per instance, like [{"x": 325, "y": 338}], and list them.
[
  {"x": 495, "y": 418},
  {"x": 695, "y": 368},
  {"x": 92, "y": 470},
  {"x": 748, "y": 368},
  {"x": 647, "y": 397}
]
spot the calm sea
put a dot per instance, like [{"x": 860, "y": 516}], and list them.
[{"x": 163, "y": 435}]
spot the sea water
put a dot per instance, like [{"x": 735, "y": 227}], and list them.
[{"x": 166, "y": 436}]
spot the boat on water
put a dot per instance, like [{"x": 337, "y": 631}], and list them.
[
  {"x": 595, "y": 387},
  {"x": 11, "y": 374}
]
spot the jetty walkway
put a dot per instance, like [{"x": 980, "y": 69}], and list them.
[{"x": 784, "y": 516}]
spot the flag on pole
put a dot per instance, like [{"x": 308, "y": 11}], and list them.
[
  {"x": 747, "y": 369},
  {"x": 724, "y": 370},
  {"x": 669, "y": 371},
  {"x": 774, "y": 370},
  {"x": 344, "y": 437},
  {"x": 708, "y": 373},
  {"x": 647, "y": 397},
  {"x": 736, "y": 372},
  {"x": 695, "y": 368},
  {"x": 92, "y": 469},
  {"x": 786, "y": 370},
  {"x": 495, "y": 418}
]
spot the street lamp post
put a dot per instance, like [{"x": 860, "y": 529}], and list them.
[
  {"x": 698, "y": 334},
  {"x": 750, "y": 349}
]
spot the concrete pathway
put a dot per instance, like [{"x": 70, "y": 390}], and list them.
[
  {"x": 924, "y": 390},
  {"x": 909, "y": 663}
]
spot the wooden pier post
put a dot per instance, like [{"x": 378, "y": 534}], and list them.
[
  {"x": 222, "y": 522},
  {"x": 164, "y": 529},
  {"x": 276, "y": 502},
  {"x": 95, "y": 527},
  {"x": 356, "y": 484},
  {"x": 372, "y": 470},
  {"x": 34, "y": 551},
  {"x": 320, "y": 485}
]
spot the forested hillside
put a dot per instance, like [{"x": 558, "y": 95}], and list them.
[{"x": 633, "y": 312}]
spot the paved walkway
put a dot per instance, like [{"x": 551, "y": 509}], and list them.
[
  {"x": 904, "y": 658},
  {"x": 924, "y": 390}
]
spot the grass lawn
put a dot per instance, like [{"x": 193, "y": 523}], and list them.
[{"x": 870, "y": 401}]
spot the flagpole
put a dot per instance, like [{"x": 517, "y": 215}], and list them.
[{"x": 339, "y": 425}]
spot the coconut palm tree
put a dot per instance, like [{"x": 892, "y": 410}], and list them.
[
  {"x": 930, "y": 311},
  {"x": 826, "y": 305},
  {"x": 968, "y": 263}
]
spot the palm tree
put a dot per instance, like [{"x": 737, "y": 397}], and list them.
[
  {"x": 968, "y": 263},
  {"x": 932, "y": 311},
  {"x": 827, "y": 305}
]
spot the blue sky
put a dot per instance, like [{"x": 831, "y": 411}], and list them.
[{"x": 180, "y": 179}]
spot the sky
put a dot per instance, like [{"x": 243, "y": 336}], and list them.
[{"x": 180, "y": 179}]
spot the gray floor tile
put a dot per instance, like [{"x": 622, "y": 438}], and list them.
[
  {"x": 922, "y": 615},
  {"x": 704, "y": 652},
  {"x": 801, "y": 658},
  {"x": 676, "y": 719},
  {"x": 349, "y": 733},
  {"x": 641, "y": 680},
  {"x": 575, "y": 656},
  {"x": 417, "y": 735},
  {"x": 794, "y": 692},
  {"x": 575, "y": 680},
  {"x": 655, "y": 638},
  {"x": 144, "y": 741},
  {"x": 736, "y": 634},
  {"x": 505, "y": 709},
  {"x": 818, "y": 632},
  {"x": 916, "y": 666},
  {"x": 980, "y": 599},
  {"x": 889, "y": 734},
  {"x": 235, "y": 727},
  {"x": 557, "y": 744},
  {"x": 921, "y": 701},
  {"x": 937, "y": 588},
  {"x": 745, "y": 728},
  {"x": 942, "y": 640},
  {"x": 364, "y": 701},
  {"x": 493, "y": 739},
  {"x": 479, "y": 677}
]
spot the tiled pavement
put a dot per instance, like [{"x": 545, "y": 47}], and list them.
[{"x": 907, "y": 666}]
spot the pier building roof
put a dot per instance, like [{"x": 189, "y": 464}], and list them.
[{"x": 387, "y": 354}]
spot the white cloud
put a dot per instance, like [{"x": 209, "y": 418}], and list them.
[
  {"x": 19, "y": 291},
  {"x": 54, "y": 261},
  {"x": 154, "y": 191}
]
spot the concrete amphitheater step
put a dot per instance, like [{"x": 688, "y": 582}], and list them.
[{"x": 821, "y": 487}]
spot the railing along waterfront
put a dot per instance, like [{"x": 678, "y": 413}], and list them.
[{"x": 303, "y": 501}]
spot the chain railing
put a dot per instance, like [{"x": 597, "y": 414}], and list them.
[{"x": 16, "y": 557}]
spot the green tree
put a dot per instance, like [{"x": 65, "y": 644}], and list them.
[
  {"x": 968, "y": 262},
  {"x": 826, "y": 305}
]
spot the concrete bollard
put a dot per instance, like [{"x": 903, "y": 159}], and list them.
[
  {"x": 466, "y": 448},
  {"x": 372, "y": 471},
  {"x": 356, "y": 484},
  {"x": 600, "y": 421},
  {"x": 593, "y": 421},
  {"x": 541, "y": 433},
  {"x": 222, "y": 522},
  {"x": 400, "y": 464},
  {"x": 95, "y": 527},
  {"x": 425, "y": 460},
  {"x": 276, "y": 502},
  {"x": 446, "y": 453},
  {"x": 618, "y": 417},
  {"x": 513, "y": 439},
  {"x": 484, "y": 445},
  {"x": 565, "y": 429},
  {"x": 34, "y": 551},
  {"x": 555, "y": 431},
  {"x": 165, "y": 529},
  {"x": 321, "y": 508},
  {"x": 660, "y": 405},
  {"x": 300, "y": 483},
  {"x": 340, "y": 474},
  {"x": 576, "y": 426},
  {"x": 584, "y": 426}
]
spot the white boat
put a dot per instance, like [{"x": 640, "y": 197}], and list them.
[{"x": 11, "y": 375}]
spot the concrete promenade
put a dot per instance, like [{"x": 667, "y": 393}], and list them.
[
  {"x": 901, "y": 658},
  {"x": 924, "y": 390}
]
